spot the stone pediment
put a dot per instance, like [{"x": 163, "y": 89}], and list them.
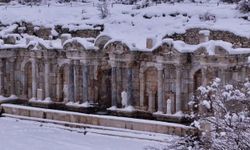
[
  {"x": 101, "y": 41},
  {"x": 167, "y": 49},
  {"x": 218, "y": 50},
  {"x": 73, "y": 45},
  {"x": 116, "y": 47},
  {"x": 201, "y": 51}
]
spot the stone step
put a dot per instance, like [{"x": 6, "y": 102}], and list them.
[{"x": 99, "y": 120}]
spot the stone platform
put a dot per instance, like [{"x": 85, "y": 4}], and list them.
[
  {"x": 62, "y": 106},
  {"x": 99, "y": 120},
  {"x": 151, "y": 116}
]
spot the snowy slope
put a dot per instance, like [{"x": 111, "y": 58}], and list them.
[{"x": 131, "y": 25}]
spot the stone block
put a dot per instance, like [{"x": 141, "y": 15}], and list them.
[
  {"x": 40, "y": 94},
  {"x": 37, "y": 114}
]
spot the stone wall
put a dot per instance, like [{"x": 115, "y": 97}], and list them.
[{"x": 190, "y": 37}]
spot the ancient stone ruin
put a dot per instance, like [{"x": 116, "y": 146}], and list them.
[{"x": 93, "y": 71}]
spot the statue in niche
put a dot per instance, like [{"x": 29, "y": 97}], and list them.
[{"x": 124, "y": 96}]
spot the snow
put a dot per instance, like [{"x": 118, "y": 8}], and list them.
[
  {"x": 129, "y": 24},
  {"x": 207, "y": 104},
  {"x": 18, "y": 134},
  {"x": 77, "y": 104},
  {"x": 83, "y": 41},
  {"x": 12, "y": 97}
]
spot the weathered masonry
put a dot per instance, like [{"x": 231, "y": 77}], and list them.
[{"x": 161, "y": 78}]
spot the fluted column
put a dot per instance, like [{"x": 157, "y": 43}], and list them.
[
  {"x": 34, "y": 83},
  {"x": 151, "y": 101},
  {"x": 130, "y": 86},
  {"x": 204, "y": 75},
  {"x": 71, "y": 83},
  {"x": 12, "y": 76},
  {"x": 142, "y": 87},
  {"x": 46, "y": 79},
  {"x": 76, "y": 83},
  {"x": 113, "y": 84},
  {"x": 160, "y": 88},
  {"x": 178, "y": 89},
  {"x": 85, "y": 73}
]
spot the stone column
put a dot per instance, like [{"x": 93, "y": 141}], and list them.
[
  {"x": 46, "y": 79},
  {"x": 222, "y": 76},
  {"x": 71, "y": 83},
  {"x": 12, "y": 75},
  {"x": 76, "y": 83},
  {"x": 34, "y": 84},
  {"x": 113, "y": 84},
  {"x": 142, "y": 87},
  {"x": 160, "y": 88},
  {"x": 204, "y": 75},
  {"x": 1, "y": 77},
  {"x": 178, "y": 89},
  {"x": 129, "y": 84},
  {"x": 58, "y": 85},
  {"x": 150, "y": 101},
  {"x": 85, "y": 73}
]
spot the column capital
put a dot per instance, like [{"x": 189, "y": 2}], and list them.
[
  {"x": 129, "y": 64},
  {"x": 112, "y": 63},
  {"x": 159, "y": 66}
]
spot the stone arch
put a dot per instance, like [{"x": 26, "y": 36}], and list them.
[
  {"x": 117, "y": 47},
  {"x": 151, "y": 88},
  {"x": 102, "y": 40}
]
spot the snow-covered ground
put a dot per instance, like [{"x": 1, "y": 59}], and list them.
[
  {"x": 16, "y": 134},
  {"x": 130, "y": 25}
]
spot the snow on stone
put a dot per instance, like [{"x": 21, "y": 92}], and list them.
[{"x": 129, "y": 24}]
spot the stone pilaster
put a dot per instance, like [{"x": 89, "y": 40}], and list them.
[
  {"x": 151, "y": 101},
  {"x": 34, "y": 83},
  {"x": 130, "y": 85},
  {"x": 85, "y": 73},
  {"x": 113, "y": 84},
  {"x": 204, "y": 75},
  {"x": 160, "y": 88},
  {"x": 46, "y": 78},
  {"x": 142, "y": 87},
  {"x": 178, "y": 89},
  {"x": 76, "y": 83},
  {"x": 12, "y": 75},
  {"x": 71, "y": 83}
]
